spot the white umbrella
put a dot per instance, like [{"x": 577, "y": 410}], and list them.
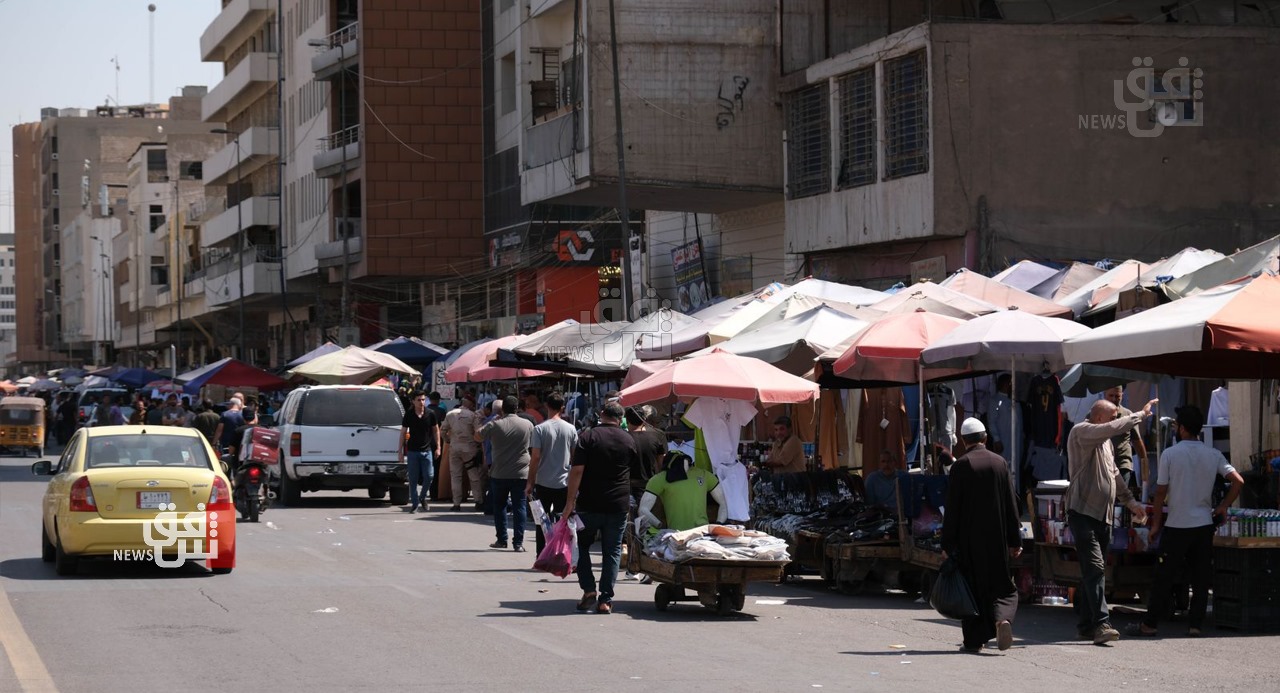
[
  {"x": 792, "y": 344},
  {"x": 352, "y": 366},
  {"x": 1009, "y": 339}
]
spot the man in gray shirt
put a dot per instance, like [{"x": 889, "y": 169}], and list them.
[
  {"x": 551, "y": 448},
  {"x": 509, "y": 435}
]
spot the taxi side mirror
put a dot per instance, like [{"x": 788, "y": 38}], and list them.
[{"x": 42, "y": 468}]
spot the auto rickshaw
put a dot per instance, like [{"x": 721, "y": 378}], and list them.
[{"x": 22, "y": 424}]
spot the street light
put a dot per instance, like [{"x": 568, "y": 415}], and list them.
[
  {"x": 105, "y": 300},
  {"x": 239, "y": 227}
]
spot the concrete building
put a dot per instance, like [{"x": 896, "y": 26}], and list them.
[
  {"x": 920, "y": 141},
  {"x": 28, "y": 248},
  {"x": 8, "y": 302}
]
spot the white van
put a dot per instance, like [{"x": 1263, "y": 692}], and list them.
[{"x": 341, "y": 437}]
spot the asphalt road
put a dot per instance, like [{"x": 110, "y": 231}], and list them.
[{"x": 348, "y": 594}]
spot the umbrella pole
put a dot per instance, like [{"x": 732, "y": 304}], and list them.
[
  {"x": 920, "y": 456},
  {"x": 1013, "y": 424}
]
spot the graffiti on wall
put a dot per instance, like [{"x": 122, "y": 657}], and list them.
[{"x": 730, "y": 100}]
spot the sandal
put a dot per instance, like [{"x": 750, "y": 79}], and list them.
[
  {"x": 604, "y": 608},
  {"x": 587, "y": 601},
  {"x": 1138, "y": 630}
]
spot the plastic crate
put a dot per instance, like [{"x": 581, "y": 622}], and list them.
[
  {"x": 1250, "y": 589},
  {"x": 1236, "y": 615},
  {"x": 1249, "y": 561}
]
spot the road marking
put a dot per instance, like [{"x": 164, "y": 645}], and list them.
[
  {"x": 536, "y": 642},
  {"x": 28, "y": 668},
  {"x": 318, "y": 554}
]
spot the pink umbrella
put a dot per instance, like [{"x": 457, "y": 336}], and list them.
[
  {"x": 643, "y": 369},
  {"x": 473, "y": 366},
  {"x": 722, "y": 374},
  {"x": 889, "y": 350}
]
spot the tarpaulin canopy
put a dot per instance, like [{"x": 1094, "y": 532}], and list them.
[
  {"x": 794, "y": 343},
  {"x": 889, "y": 350},
  {"x": 987, "y": 289},
  {"x": 1262, "y": 257},
  {"x": 352, "y": 365},
  {"x": 413, "y": 351},
  {"x": 725, "y": 375},
  {"x": 1082, "y": 299},
  {"x": 228, "y": 372},
  {"x": 962, "y": 304},
  {"x": 326, "y": 348},
  {"x": 567, "y": 333},
  {"x": 613, "y": 351},
  {"x": 1225, "y": 332},
  {"x": 1184, "y": 262}
]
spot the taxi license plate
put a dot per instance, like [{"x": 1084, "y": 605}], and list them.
[
  {"x": 152, "y": 499},
  {"x": 351, "y": 468}
]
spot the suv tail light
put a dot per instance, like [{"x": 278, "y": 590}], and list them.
[
  {"x": 295, "y": 444},
  {"x": 82, "y": 497},
  {"x": 220, "y": 496}
]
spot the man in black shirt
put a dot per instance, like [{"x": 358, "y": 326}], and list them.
[
  {"x": 600, "y": 490},
  {"x": 419, "y": 441},
  {"x": 651, "y": 443}
]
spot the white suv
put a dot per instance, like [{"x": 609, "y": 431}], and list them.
[{"x": 341, "y": 437}]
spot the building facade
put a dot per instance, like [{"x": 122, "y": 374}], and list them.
[{"x": 8, "y": 303}]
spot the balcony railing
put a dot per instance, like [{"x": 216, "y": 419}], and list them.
[
  {"x": 347, "y": 33},
  {"x": 340, "y": 138}
]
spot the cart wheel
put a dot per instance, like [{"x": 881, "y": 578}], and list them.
[
  {"x": 661, "y": 598},
  {"x": 724, "y": 603}
]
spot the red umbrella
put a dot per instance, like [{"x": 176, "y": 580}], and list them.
[
  {"x": 889, "y": 350},
  {"x": 722, "y": 374}
]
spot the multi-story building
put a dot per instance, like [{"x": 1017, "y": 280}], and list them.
[
  {"x": 924, "y": 138},
  {"x": 72, "y": 166},
  {"x": 8, "y": 302}
]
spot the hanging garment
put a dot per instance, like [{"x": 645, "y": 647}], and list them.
[
  {"x": 883, "y": 424},
  {"x": 941, "y": 414},
  {"x": 1005, "y": 419},
  {"x": 1219, "y": 409},
  {"x": 720, "y": 423},
  {"x": 1044, "y": 411}
]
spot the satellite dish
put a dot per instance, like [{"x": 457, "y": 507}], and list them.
[{"x": 1167, "y": 113}]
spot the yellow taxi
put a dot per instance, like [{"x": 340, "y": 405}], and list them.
[{"x": 131, "y": 493}]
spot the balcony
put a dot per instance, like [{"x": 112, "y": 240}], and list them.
[
  {"x": 332, "y": 151},
  {"x": 255, "y": 211},
  {"x": 247, "y": 82},
  {"x": 331, "y": 254},
  {"x": 233, "y": 25},
  {"x": 258, "y": 146},
  {"x": 261, "y": 276},
  {"x": 337, "y": 52}
]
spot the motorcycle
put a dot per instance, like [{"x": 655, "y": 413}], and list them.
[{"x": 250, "y": 490}]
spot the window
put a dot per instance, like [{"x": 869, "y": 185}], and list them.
[
  {"x": 6, "y": 290},
  {"x": 367, "y": 407},
  {"x": 507, "y": 83},
  {"x": 7, "y": 305},
  {"x": 153, "y": 450},
  {"x": 906, "y": 116},
  {"x": 159, "y": 276},
  {"x": 571, "y": 77},
  {"x": 808, "y": 136},
  {"x": 157, "y": 222},
  {"x": 157, "y": 166},
  {"x": 6, "y": 318},
  {"x": 191, "y": 170},
  {"x": 857, "y": 128}
]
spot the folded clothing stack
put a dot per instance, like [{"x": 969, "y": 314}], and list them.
[{"x": 728, "y": 542}]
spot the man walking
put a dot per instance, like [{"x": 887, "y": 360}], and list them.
[
  {"x": 459, "y": 431},
  {"x": 551, "y": 449},
  {"x": 1095, "y": 486},
  {"x": 207, "y": 423},
  {"x": 509, "y": 436},
  {"x": 232, "y": 419},
  {"x": 981, "y": 530},
  {"x": 419, "y": 442},
  {"x": 1128, "y": 443},
  {"x": 600, "y": 490},
  {"x": 1188, "y": 472}
]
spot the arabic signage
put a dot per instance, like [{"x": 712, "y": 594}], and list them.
[
  {"x": 556, "y": 243},
  {"x": 691, "y": 283}
]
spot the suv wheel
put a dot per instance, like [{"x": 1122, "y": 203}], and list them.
[
  {"x": 290, "y": 491},
  {"x": 378, "y": 492}
]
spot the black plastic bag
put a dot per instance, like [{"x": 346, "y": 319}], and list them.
[{"x": 951, "y": 595}]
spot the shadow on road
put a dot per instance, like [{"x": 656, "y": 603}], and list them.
[{"x": 100, "y": 569}]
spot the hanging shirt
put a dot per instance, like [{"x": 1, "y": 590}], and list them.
[
  {"x": 1044, "y": 410},
  {"x": 1219, "y": 408},
  {"x": 720, "y": 422},
  {"x": 942, "y": 415},
  {"x": 1005, "y": 419}
]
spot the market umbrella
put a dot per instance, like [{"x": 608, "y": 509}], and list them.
[
  {"x": 163, "y": 385},
  {"x": 562, "y": 335},
  {"x": 1263, "y": 257},
  {"x": 1082, "y": 298},
  {"x": 131, "y": 377},
  {"x": 889, "y": 350},
  {"x": 1083, "y": 379},
  {"x": 725, "y": 375},
  {"x": 964, "y": 304},
  {"x": 326, "y": 348},
  {"x": 613, "y": 351},
  {"x": 8, "y": 387},
  {"x": 72, "y": 380},
  {"x": 1025, "y": 275},
  {"x": 831, "y": 291},
  {"x": 973, "y": 284},
  {"x": 44, "y": 385},
  {"x": 1010, "y": 339},
  {"x": 352, "y": 365},
  {"x": 23, "y": 382},
  {"x": 794, "y": 343},
  {"x": 1068, "y": 281},
  {"x": 643, "y": 369},
  {"x": 917, "y": 301},
  {"x": 1180, "y": 264},
  {"x": 761, "y": 313},
  {"x": 472, "y": 365},
  {"x": 1225, "y": 332},
  {"x": 413, "y": 351},
  {"x": 228, "y": 372}
]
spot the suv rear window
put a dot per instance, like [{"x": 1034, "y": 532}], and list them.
[{"x": 350, "y": 408}]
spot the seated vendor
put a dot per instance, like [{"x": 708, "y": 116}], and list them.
[
  {"x": 882, "y": 486},
  {"x": 683, "y": 490},
  {"x": 787, "y": 454}
]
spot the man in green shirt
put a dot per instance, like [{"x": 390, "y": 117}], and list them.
[{"x": 683, "y": 490}]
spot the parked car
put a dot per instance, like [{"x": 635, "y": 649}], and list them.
[
  {"x": 341, "y": 437},
  {"x": 112, "y": 482}
]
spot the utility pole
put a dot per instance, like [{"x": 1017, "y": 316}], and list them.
[
  {"x": 177, "y": 276},
  {"x": 624, "y": 212},
  {"x": 285, "y": 319},
  {"x": 343, "y": 222},
  {"x": 137, "y": 295}
]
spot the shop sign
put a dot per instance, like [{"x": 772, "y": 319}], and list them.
[
  {"x": 933, "y": 269},
  {"x": 691, "y": 284}
]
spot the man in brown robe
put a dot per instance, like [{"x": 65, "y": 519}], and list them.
[{"x": 981, "y": 530}]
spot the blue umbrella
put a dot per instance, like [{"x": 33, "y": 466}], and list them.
[
  {"x": 131, "y": 377},
  {"x": 413, "y": 351}
]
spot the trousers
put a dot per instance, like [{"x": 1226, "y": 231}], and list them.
[
  {"x": 1093, "y": 539},
  {"x": 459, "y": 458},
  {"x": 1189, "y": 548}
]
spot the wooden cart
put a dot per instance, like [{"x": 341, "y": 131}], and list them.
[
  {"x": 718, "y": 584},
  {"x": 851, "y": 564}
]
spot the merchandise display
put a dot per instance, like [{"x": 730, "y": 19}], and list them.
[{"x": 725, "y": 542}]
